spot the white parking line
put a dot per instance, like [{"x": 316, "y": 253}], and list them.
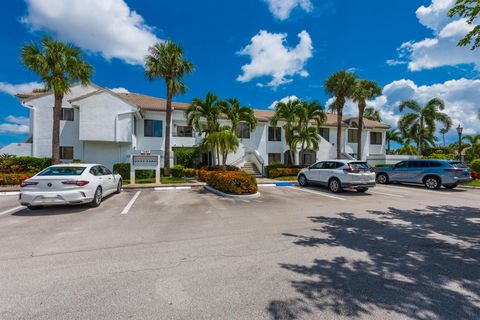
[
  {"x": 131, "y": 202},
  {"x": 319, "y": 193},
  {"x": 172, "y": 188},
  {"x": 406, "y": 188},
  {"x": 9, "y": 193},
  {"x": 11, "y": 210},
  {"x": 387, "y": 194}
]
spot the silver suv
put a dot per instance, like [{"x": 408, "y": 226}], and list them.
[{"x": 339, "y": 174}]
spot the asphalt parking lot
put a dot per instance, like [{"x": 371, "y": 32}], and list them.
[{"x": 396, "y": 252}]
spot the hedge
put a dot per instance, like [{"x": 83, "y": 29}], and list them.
[
  {"x": 9, "y": 179},
  {"x": 232, "y": 182},
  {"x": 221, "y": 168},
  {"x": 476, "y": 165},
  {"x": 177, "y": 171},
  {"x": 24, "y": 164},
  {"x": 189, "y": 173},
  {"x": 283, "y": 172}
]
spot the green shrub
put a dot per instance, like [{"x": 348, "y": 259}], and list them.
[
  {"x": 476, "y": 165},
  {"x": 441, "y": 156},
  {"x": 189, "y": 172},
  {"x": 123, "y": 169},
  {"x": 24, "y": 164},
  {"x": 221, "y": 168},
  {"x": 233, "y": 182},
  {"x": 273, "y": 165},
  {"x": 283, "y": 172},
  {"x": 177, "y": 171},
  {"x": 185, "y": 156}
]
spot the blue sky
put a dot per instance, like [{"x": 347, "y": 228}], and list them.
[{"x": 259, "y": 51}]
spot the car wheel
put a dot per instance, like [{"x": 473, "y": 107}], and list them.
[
  {"x": 35, "y": 207},
  {"x": 97, "y": 198},
  {"x": 382, "y": 178},
  {"x": 451, "y": 186},
  {"x": 432, "y": 183},
  {"x": 302, "y": 181},
  {"x": 334, "y": 185},
  {"x": 362, "y": 190},
  {"x": 119, "y": 187}
]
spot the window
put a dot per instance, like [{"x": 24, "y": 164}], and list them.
[
  {"x": 274, "y": 134},
  {"x": 333, "y": 165},
  {"x": 184, "y": 131},
  {"x": 243, "y": 130},
  {"x": 435, "y": 164},
  {"x": 66, "y": 153},
  {"x": 96, "y": 171},
  {"x": 318, "y": 165},
  {"x": 352, "y": 136},
  {"x": 105, "y": 170},
  {"x": 67, "y": 114},
  {"x": 403, "y": 164},
  {"x": 62, "y": 171},
  {"x": 325, "y": 133},
  {"x": 274, "y": 157},
  {"x": 152, "y": 128},
  {"x": 418, "y": 164},
  {"x": 375, "y": 138}
]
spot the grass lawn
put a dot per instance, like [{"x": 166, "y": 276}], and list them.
[
  {"x": 287, "y": 178},
  {"x": 474, "y": 183},
  {"x": 165, "y": 180}
]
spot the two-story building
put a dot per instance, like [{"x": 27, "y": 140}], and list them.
[{"x": 101, "y": 126}]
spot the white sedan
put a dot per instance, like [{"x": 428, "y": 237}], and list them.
[{"x": 69, "y": 184}]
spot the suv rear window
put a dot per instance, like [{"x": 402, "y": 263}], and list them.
[
  {"x": 62, "y": 171},
  {"x": 458, "y": 164},
  {"x": 360, "y": 166}
]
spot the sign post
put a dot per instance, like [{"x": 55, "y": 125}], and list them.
[{"x": 145, "y": 161}]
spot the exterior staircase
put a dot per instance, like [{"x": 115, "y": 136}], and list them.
[{"x": 251, "y": 168}]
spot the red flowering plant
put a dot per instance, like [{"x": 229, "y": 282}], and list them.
[
  {"x": 233, "y": 182},
  {"x": 8, "y": 179}
]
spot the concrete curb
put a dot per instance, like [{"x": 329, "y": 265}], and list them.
[
  {"x": 232, "y": 196},
  {"x": 469, "y": 187},
  {"x": 172, "y": 186},
  {"x": 276, "y": 184}
]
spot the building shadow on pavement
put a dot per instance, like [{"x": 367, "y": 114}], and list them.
[{"x": 420, "y": 264}]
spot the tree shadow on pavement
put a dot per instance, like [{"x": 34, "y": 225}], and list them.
[{"x": 420, "y": 264}]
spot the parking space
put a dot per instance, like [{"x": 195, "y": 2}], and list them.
[{"x": 293, "y": 249}]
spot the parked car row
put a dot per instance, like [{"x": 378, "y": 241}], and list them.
[
  {"x": 351, "y": 174},
  {"x": 90, "y": 183}
]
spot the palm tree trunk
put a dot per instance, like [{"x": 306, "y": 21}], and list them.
[
  {"x": 388, "y": 146},
  {"x": 339, "y": 131},
  {"x": 421, "y": 138},
  {"x": 361, "y": 111},
  {"x": 57, "y": 110},
  {"x": 168, "y": 120}
]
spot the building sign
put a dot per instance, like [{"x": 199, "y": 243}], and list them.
[{"x": 144, "y": 161}]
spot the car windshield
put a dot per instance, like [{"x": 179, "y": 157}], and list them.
[
  {"x": 62, "y": 171},
  {"x": 360, "y": 165},
  {"x": 458, "y": 164}
]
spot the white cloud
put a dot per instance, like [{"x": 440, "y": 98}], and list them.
[
  {"x": 461, "y": 99},
  {"x": 13, "y": 89},
  {"x": 270, "y": 57},
  {"x": 284, "y": 100},
  {"x": 441, "y": 49},
  {"x": 15, "y": 125},
  {"x": 281, "y": 9},
  {"x": 108, "y": 27},
  {"x": 120, "y": 90},
  {"x": 18, "y": 120}
]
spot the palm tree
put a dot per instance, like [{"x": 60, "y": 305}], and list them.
[
  {"x": 308, "y": 138},
  {"x": 208, "y": 109},
  {"x": 420, "y": 124},
  {"x": 165, "y": 60},
  {"x": 236, "y": 114},
  {"x": 363, "y": 91},
  {"x": 288, "y": 113},
  {"x": 474, "y": 141},
  {"x": 443, "y": 132},
  {"x": 395, "y": 136},
  {"x": 340, "y": 85},
  {"x": 372, "y": 114},
  {"x": 59, "y": 65},
  {"x": 308, "y": 113},
  {"x": 224, "y": 141}
]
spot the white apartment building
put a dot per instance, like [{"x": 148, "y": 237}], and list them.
[{"x": 102, "y": 126}]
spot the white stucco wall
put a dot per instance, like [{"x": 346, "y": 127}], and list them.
[{"x": 18, "y": 149}]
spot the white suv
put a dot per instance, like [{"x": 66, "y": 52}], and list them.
[{"x": 339, "y": 174}]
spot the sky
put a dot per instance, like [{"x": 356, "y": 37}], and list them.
[{"x": 259, "y": 51}]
